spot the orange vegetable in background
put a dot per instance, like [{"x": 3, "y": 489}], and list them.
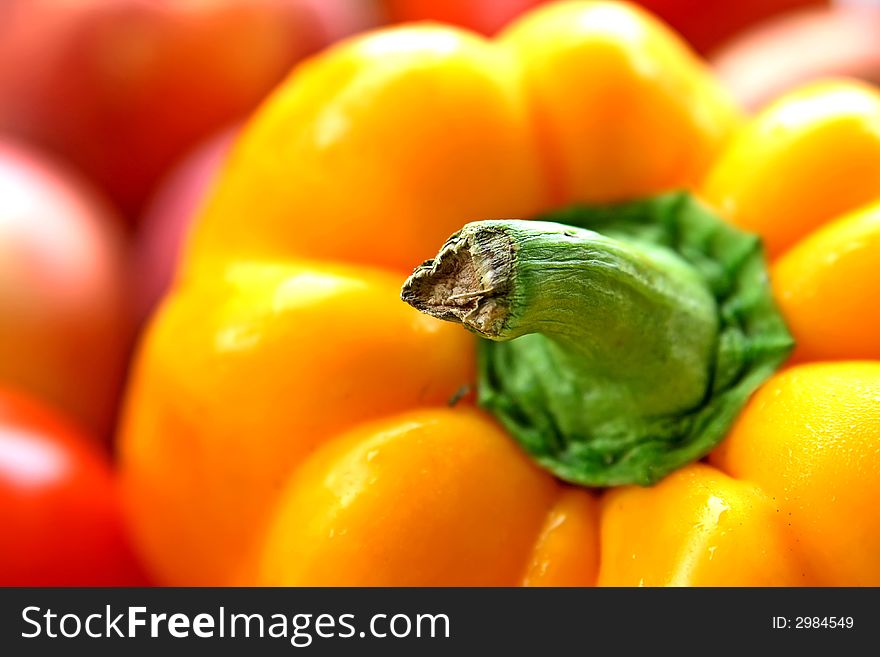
[{"x": 288, "y": 422}]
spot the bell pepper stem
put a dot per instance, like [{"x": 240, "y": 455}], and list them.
[
  {"x": 639, "y": 318},
  {"x": 620, "y": 342}
]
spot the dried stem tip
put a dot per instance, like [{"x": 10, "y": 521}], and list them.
[{"x": 469, "y": 281}]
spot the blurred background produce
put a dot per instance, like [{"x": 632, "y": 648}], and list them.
[
  {"x": 64, "y": 323},
  {"x": 115, "y": 116},
  {"x": 98, "y": 101},
  {"x": 59, "y": 509},
  {"x": 704, "y": 23},
  {"x": 122, "y": 88},
  {"x": 779, "y": 54},
  {"x": 167, "y": 217}
]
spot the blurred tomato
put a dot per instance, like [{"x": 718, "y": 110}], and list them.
[
  {"x": 122, "y": 88},
  {"x": 168, "y": 214},
  {"x": 59, "y": 507},
  {"x": 704, "y": 23},
  {"x": 484, "y": 16},
  {"x": 64, "y": 318},
  {"x": 788, "y": 51}
]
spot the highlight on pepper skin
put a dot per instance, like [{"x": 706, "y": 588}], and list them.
[{"x": 301, "y": 293}]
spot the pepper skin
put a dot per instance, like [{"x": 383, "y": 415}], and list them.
[{"x": 288, "y": 420}]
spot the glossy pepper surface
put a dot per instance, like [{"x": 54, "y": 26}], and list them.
[{"x": 289, "y": 418}]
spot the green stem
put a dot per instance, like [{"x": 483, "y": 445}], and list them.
[
  {"x": 638, "y": 318},
  {"x": 611, "y": 358}
]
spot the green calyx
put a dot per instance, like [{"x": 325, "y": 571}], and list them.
[{"x": 619, "y": 342}]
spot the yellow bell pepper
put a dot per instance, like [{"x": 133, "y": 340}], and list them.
[{"x": 289, "y": 419}]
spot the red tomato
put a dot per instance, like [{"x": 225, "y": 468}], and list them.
[
  {"x": 484, "y": 16},
  {"x": 706, "y": 25},
  {"x": 59, "y": 509}
]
